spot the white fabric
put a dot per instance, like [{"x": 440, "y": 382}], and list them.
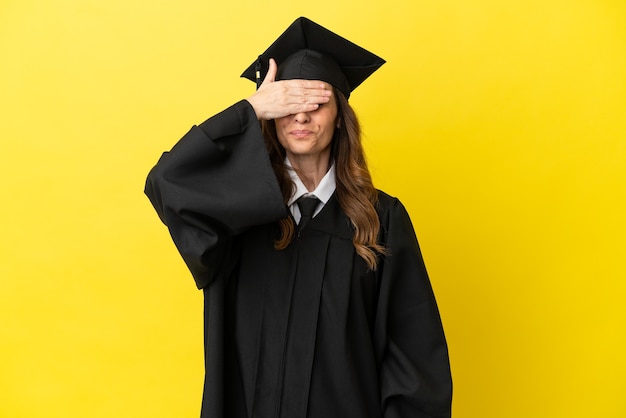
[{"x": 323, "y": 192}]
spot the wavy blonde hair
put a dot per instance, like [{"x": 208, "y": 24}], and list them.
[{"x": 355, "y": 191}]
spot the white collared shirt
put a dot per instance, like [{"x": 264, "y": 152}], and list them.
[{"x": 323, "y": 192}]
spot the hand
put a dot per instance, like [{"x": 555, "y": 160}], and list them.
[{"x": 275, "y": 99}]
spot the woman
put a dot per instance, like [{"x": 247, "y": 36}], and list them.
[{"x": 317, "y": 301}]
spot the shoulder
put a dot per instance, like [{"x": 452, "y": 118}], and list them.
[
  {"x": 393, "y": 216},
  {"x": 388, "y": 204}
]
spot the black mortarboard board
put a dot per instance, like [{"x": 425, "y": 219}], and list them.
[{"x": 309, "y": 51}]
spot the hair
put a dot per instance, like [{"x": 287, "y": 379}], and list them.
[{"x": 355, "y": 191}]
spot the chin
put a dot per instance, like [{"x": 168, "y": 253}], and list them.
[{"x": 302, "y": 149}]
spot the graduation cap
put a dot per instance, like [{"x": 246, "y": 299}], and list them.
[{"x": 309, "y": 51}]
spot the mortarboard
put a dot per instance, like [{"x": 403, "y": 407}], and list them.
[{"x": 309, "y": 51}]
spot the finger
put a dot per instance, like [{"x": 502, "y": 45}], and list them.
[
  {"x": 309, "y": 85},
  {"x": 302, "y": 92},
  {"x": 309, "y": 100},
  {"x": 270, "y": 77},
  {"x": 304, "y": 108},
  {"x": 309, "y": 96}
]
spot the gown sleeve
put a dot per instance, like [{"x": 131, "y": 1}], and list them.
[
  {"x": 215, "y": 183},
  {"x": 415, "y": 371}
]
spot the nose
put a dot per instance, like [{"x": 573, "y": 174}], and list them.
[{"x": 301, "y": 117}]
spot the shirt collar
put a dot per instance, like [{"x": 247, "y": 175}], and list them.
[{"x": 324, "y": 190}]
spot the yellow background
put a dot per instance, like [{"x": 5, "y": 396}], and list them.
[{"x": 500, "y": 124}]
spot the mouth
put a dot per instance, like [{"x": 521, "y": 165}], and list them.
[{"x": 300, "y": 133}]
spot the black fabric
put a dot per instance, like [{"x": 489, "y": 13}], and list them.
[
  {"x": 307, "y": 206},
  {"x": 307, "y": 64},
  {"x": 307, "y": 50},
  {"x": 308, "y": 331}
]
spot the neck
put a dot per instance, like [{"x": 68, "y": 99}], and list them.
[{"x": 310, "y": 168}]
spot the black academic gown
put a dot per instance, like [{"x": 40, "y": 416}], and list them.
[{"x": 309, "y": 331}]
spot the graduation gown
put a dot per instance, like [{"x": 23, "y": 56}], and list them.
[{"x": 309, "y": 331}]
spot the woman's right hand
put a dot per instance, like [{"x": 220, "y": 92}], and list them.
[{"x": 275, "y": 99}]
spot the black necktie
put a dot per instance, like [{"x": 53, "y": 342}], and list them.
[{"x": 307, "y": 205}]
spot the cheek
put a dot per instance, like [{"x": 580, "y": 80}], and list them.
[
  {"x": 330, "y": 121},
  {"x": 280, "y": 130},
  {"x": 329, "y": 128},
  {"x": 329, "y": 137}
]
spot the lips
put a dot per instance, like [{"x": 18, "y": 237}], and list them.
[{"x": 300, "y": 133}]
